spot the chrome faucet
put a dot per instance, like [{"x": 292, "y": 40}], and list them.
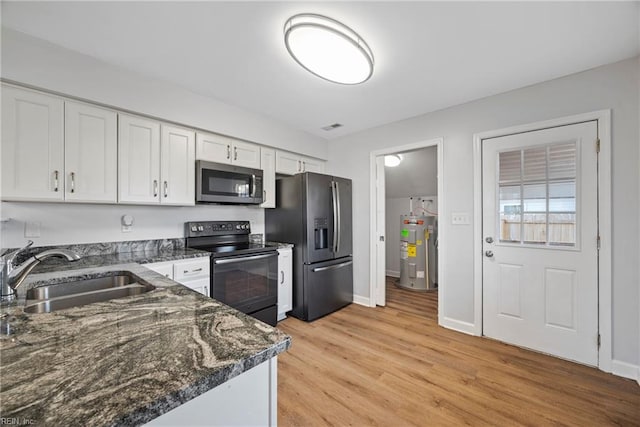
[{"x": 12, "y": 276}]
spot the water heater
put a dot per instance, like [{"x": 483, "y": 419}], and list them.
[{"x": 418, "y": 252}]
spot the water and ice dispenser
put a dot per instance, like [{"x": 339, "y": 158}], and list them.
[{"x": 418, "y": 252}]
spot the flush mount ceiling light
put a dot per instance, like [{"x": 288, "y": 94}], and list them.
[
  {"x": 392, "y": 160},
  {"x": 328, "y": 49}
]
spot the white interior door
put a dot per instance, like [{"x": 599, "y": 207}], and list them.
[
  {"x": 540, "y": 228},
  {"x": 381, "y": 228}
]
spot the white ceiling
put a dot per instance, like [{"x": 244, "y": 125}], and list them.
[
  {"x": 428, "y": 55},
  {"x": 416, "y": 175}
]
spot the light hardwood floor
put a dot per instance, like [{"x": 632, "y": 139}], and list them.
[{"x": 394, "y": 366}]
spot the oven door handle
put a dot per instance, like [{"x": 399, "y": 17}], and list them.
[{"x": 243, "y": 259}]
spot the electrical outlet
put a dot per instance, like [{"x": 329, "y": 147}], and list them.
[{"x": 460, "y": 218}]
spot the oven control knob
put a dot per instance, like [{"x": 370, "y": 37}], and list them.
[
  {"x": 200, "y": 228},
  {"x": 238, "y": 226},
  {"x": 194, "y": 228}
]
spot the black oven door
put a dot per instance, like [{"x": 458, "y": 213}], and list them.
[
  {"x": 248, "y": 283},
  {"x": 220, "y": 183}
]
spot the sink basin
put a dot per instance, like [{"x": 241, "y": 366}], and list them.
[{"x": 75, "y": 293}]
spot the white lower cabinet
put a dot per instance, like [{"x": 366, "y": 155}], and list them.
[
  {"x": 285, "y": 282},
  {"x": 193, "y": 273},
  {"x": 250, "y": 399}
]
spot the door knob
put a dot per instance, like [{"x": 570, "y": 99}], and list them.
[
  {"x": 489, "y": 254},
  {"x": 489, "y": 240}
]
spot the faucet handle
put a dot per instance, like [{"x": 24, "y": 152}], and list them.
[{"x": 11, "y": 255}]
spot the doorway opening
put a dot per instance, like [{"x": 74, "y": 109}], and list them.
[{"x": 406, "y": 243}]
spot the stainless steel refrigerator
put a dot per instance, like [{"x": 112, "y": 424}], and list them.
[{"x": 313, "y": 211}]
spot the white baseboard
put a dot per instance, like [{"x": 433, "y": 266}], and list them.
[
  {"x": 362, "y": 300},
  {"x": 392, "y": 273},
  {"x": 458, "y": 325},
  {"x": 626, "y": 370}
]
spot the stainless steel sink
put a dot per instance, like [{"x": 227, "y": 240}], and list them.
[{"x": 76, "y": 293}]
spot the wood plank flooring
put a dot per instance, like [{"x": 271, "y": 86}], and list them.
[{"x": 394, "y": 366}]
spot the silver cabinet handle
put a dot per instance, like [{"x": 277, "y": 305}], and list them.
[
  {"x": 304, "y": 166},
  {"x": 228, "y": 151},
  {"x": 155, "y": 188},
  {"x": 166, "y": 190},
  {"x": 281, "y": 277},
  {"x": 489, "y": 254},
  {"x": 193, "y": 271},
  {"x": 55, "y": 181},
  {"x": 264, "y": 195},
  {"x": 235, "y": 153},
  {"x": 73, "y": 182},
  {"x": 332, "y": 267},
  {"x": 299, "y": 166}
]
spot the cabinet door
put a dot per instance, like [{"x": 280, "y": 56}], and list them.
[
  {"x": 213, "y": 148},
  {"x": 90, "y": 156},
  {"x": 285, "y": 285},
  {"x": 32, "y": 145},
  {"x": 200, "y": 286},
  {"x": 288, "y": 163},
  {"x": 164, "y": 268},
  {"x": 246, "y": 154},
  {"x": 268, "y": 165},
  {"x": 312, "y": 165},
  {"x": 177, "y": 166},
  {"x": 138, "y": 160}
]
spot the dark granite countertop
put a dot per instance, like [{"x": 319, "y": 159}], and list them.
[{"x": 125, "y": 361}]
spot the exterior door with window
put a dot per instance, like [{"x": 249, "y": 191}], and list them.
[{"x": 540, "y": 228}]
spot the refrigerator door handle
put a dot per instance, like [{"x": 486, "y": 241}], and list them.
[
  {"x": 335, "y": 215},
  {"x": 332, "y": 267},
  {"x": 339, "y": 227}
]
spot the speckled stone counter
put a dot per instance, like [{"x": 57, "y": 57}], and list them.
[{"x": 128, "y": 360}]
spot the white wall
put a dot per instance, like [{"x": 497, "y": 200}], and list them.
[
  {"x": 613, "y": 86},
  {"x": 32, "y": 61},
  {"x": 394, "y": 207}
]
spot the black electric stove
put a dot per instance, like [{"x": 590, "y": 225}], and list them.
[{"x": 243, "y": 274}]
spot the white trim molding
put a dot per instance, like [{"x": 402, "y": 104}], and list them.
[
  {"x": 373, "y": 235},
  {"x": 603, "y": 117},
  {"x": 360, "y": 300},
  {"x": 626, "y": 370},
  {"x": 393, "y": 273},
  {"x": 457, "y": 325}
]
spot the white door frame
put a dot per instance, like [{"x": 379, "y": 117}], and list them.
[
  {"x": 373, "y": 234},
  {"x": 603, "y": 117}
]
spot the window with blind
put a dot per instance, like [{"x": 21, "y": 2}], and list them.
[{"x": 537, "y": 195}]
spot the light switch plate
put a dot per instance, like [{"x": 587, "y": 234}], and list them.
[{"x": 460, "y": 218}]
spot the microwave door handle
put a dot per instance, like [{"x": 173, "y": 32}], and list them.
[{"x": 253, "y": 185}]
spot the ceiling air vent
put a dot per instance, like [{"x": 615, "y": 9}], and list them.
[{"x": 332, "y": 127}]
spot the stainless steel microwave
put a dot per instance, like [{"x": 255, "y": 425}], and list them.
[{"x": 228, "y": 184}]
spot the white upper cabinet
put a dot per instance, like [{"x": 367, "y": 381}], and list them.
[
  {"x": 32, "y": 145},
  {"x": 268, "y": 163},
  {"x": 156, "y": 163},
  {"x": 91, "y": 149},
  {"x": 222, "y": 149},
  {"x": 290, "y": 163},
  {"x": 177, "y": 166},
  {"x": 138, "y": 160}
]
